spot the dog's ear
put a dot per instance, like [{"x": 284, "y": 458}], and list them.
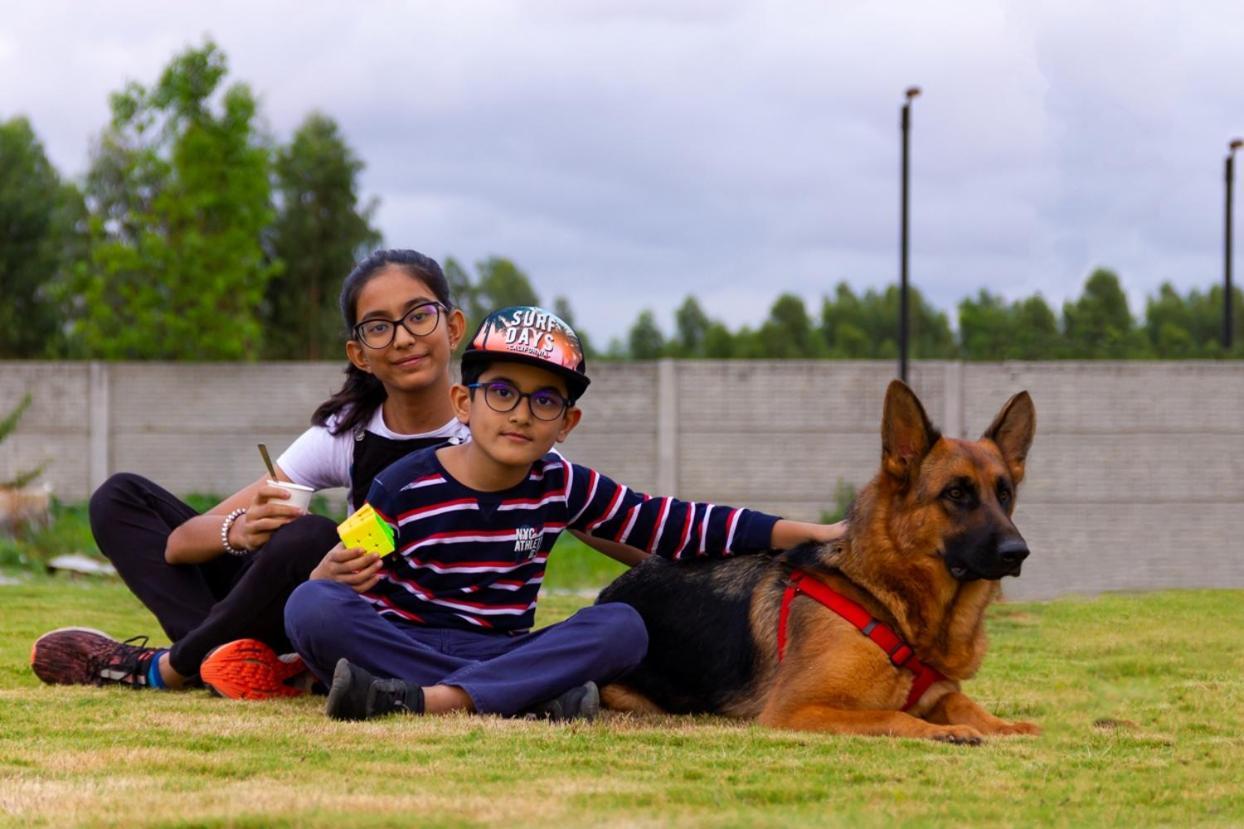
[
  {"x": 1012, "y": 431},
  {"x": 906, "y": 434}
]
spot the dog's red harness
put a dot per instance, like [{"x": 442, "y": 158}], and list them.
[{"x": 900, "y": 653}]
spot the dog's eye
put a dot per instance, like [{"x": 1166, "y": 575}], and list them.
[
  {"x": 1004, "y": 495},
  {"x": 955, "y": 493}
]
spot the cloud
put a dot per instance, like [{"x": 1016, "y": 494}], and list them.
[{"x": 626, "y": 154}]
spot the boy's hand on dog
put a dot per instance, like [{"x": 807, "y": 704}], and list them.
[
  {"x": 788, "y": 534},
  {"x": 351, "y": 566},
  {"x": 827, "y": 533}
]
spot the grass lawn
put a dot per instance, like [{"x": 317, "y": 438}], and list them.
[{"x": 1141, "y": 697}]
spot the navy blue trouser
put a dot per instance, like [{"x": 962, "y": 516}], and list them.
[{"x": 502, "y": 674}]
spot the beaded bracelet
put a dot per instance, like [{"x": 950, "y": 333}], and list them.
[{"x": 224, "y": 532}]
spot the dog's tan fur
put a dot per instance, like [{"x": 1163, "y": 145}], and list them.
[{"x": 891, "y": 562}]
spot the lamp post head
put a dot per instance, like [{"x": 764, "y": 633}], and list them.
[
  {"x": 912, "y": 92},
  {"x": 1235, "y": 144}
]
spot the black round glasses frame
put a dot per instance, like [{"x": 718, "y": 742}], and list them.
[
  {"x": 500, "y": 407},
  {"x": 406, "y": 322}
]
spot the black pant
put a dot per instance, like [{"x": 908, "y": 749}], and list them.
[{"x": 203, "y": 605}]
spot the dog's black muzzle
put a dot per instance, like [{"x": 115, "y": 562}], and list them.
[{"x": 1005, "y": 559}]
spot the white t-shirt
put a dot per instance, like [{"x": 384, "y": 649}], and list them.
[{"x": 322, "y": 460}]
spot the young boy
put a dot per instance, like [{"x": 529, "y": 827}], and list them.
[{"x": 443, "y": 623}]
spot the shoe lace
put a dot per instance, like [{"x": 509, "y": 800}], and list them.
[
  {"x": 389, "y": 695},
  {"x": 126, "y": 663}
]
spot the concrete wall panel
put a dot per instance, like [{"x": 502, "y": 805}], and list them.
[{"x": 1135, "y": 481}]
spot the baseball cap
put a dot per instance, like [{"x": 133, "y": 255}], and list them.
[{"x": 531, "y": 335}]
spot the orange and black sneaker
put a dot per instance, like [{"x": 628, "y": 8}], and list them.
[
  {"x": 84, "y": 656},
  {"x": 249, "y": 669}
]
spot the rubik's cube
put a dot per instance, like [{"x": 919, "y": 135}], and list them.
[{"x": 367, "y": 530}]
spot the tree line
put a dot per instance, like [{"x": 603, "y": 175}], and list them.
[
  {"x": 1096, "y": 325},
  {"x": 195, "y": 235}
]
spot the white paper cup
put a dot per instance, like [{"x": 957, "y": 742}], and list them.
[{"x": 299, "y": 495}]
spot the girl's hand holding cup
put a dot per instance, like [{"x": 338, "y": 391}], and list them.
[
  {"x": 351, "y": 566},
  {"x": 275, "y": 504}
]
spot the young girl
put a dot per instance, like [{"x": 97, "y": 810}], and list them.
[{"x": 213, "y": 578}]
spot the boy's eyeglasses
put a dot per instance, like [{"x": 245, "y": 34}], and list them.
[
  {"x": 502, "y": 397},
  {"x": 419, "y": 321}
]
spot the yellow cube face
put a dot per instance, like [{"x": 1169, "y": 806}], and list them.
[{"x": 366, "y": 529}]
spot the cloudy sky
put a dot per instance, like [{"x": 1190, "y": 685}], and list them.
[{"x": 626, "y": 154}]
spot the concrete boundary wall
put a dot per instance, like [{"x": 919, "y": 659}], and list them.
[{"x": 1136, "y": 479}]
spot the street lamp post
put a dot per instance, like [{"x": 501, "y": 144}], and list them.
[
  {"x": 1227, "y": 327},
  {"x": 910, "y": 94}
]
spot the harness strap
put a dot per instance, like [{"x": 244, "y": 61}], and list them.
[{"x": 900, "y": 653}]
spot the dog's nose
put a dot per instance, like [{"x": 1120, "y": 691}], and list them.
[{"x": 1013, "y": 551}]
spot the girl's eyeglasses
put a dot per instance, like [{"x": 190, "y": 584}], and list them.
[
  {"x": 420, "y": 321},
  {"x": 545, "y": 404}
]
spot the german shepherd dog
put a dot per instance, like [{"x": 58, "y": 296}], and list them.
[{"x": 927, "y": 543}]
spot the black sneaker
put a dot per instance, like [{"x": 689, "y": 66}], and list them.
[
  {"x": 83, "y": 656},
  {"x": 357, "y": 695},
  {"x": 581, "y": 702}
]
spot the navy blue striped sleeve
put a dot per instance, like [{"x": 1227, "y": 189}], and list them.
[
  {"x": 666, "y": 526},
  {"x": 385, "y": 505}
]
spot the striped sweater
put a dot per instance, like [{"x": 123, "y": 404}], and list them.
[{"x": 475, "y": 560}]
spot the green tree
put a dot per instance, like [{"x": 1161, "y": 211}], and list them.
[
  {"x": 8, "y": 423},
  {"x": 1191, "y": 326},
  {"x": 788, "y": 333},
  {"x": 561, "y": 307},
  {"x": 1211, "y": 309},
  {"x": 462, "y": 291},
  {"x": 985, "y": 327},
  {"x": 1169, "y": 324},
  {"x": 1036, "y": 331},
  {"x": 748, "y": 345},
  {"x": 41, "y": 226},
  {"x": 319, "y": 233},
  {"x": 718, "y": 341},
  {"x": 616, "y": 349},
  {"x": 931, "y": 336},
  {"x": 990, "y": 329},
  {"x": 645, "y": 340},
  {"x": 843, "y": 327},
  {"x": 692, "y": 326},
  {"x": 501, "y": 284},
  {"x": 178, "y": 192},
  {"x": 866, "y": 326},
  {"x": 1099, "y": 324}
]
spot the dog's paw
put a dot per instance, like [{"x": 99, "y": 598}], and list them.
[
  {"x": 1013, "y": 728},
  {"x": 962, "y": 735}
]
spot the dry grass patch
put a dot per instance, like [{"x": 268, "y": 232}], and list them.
[{"x": 1142, "y": 699}]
